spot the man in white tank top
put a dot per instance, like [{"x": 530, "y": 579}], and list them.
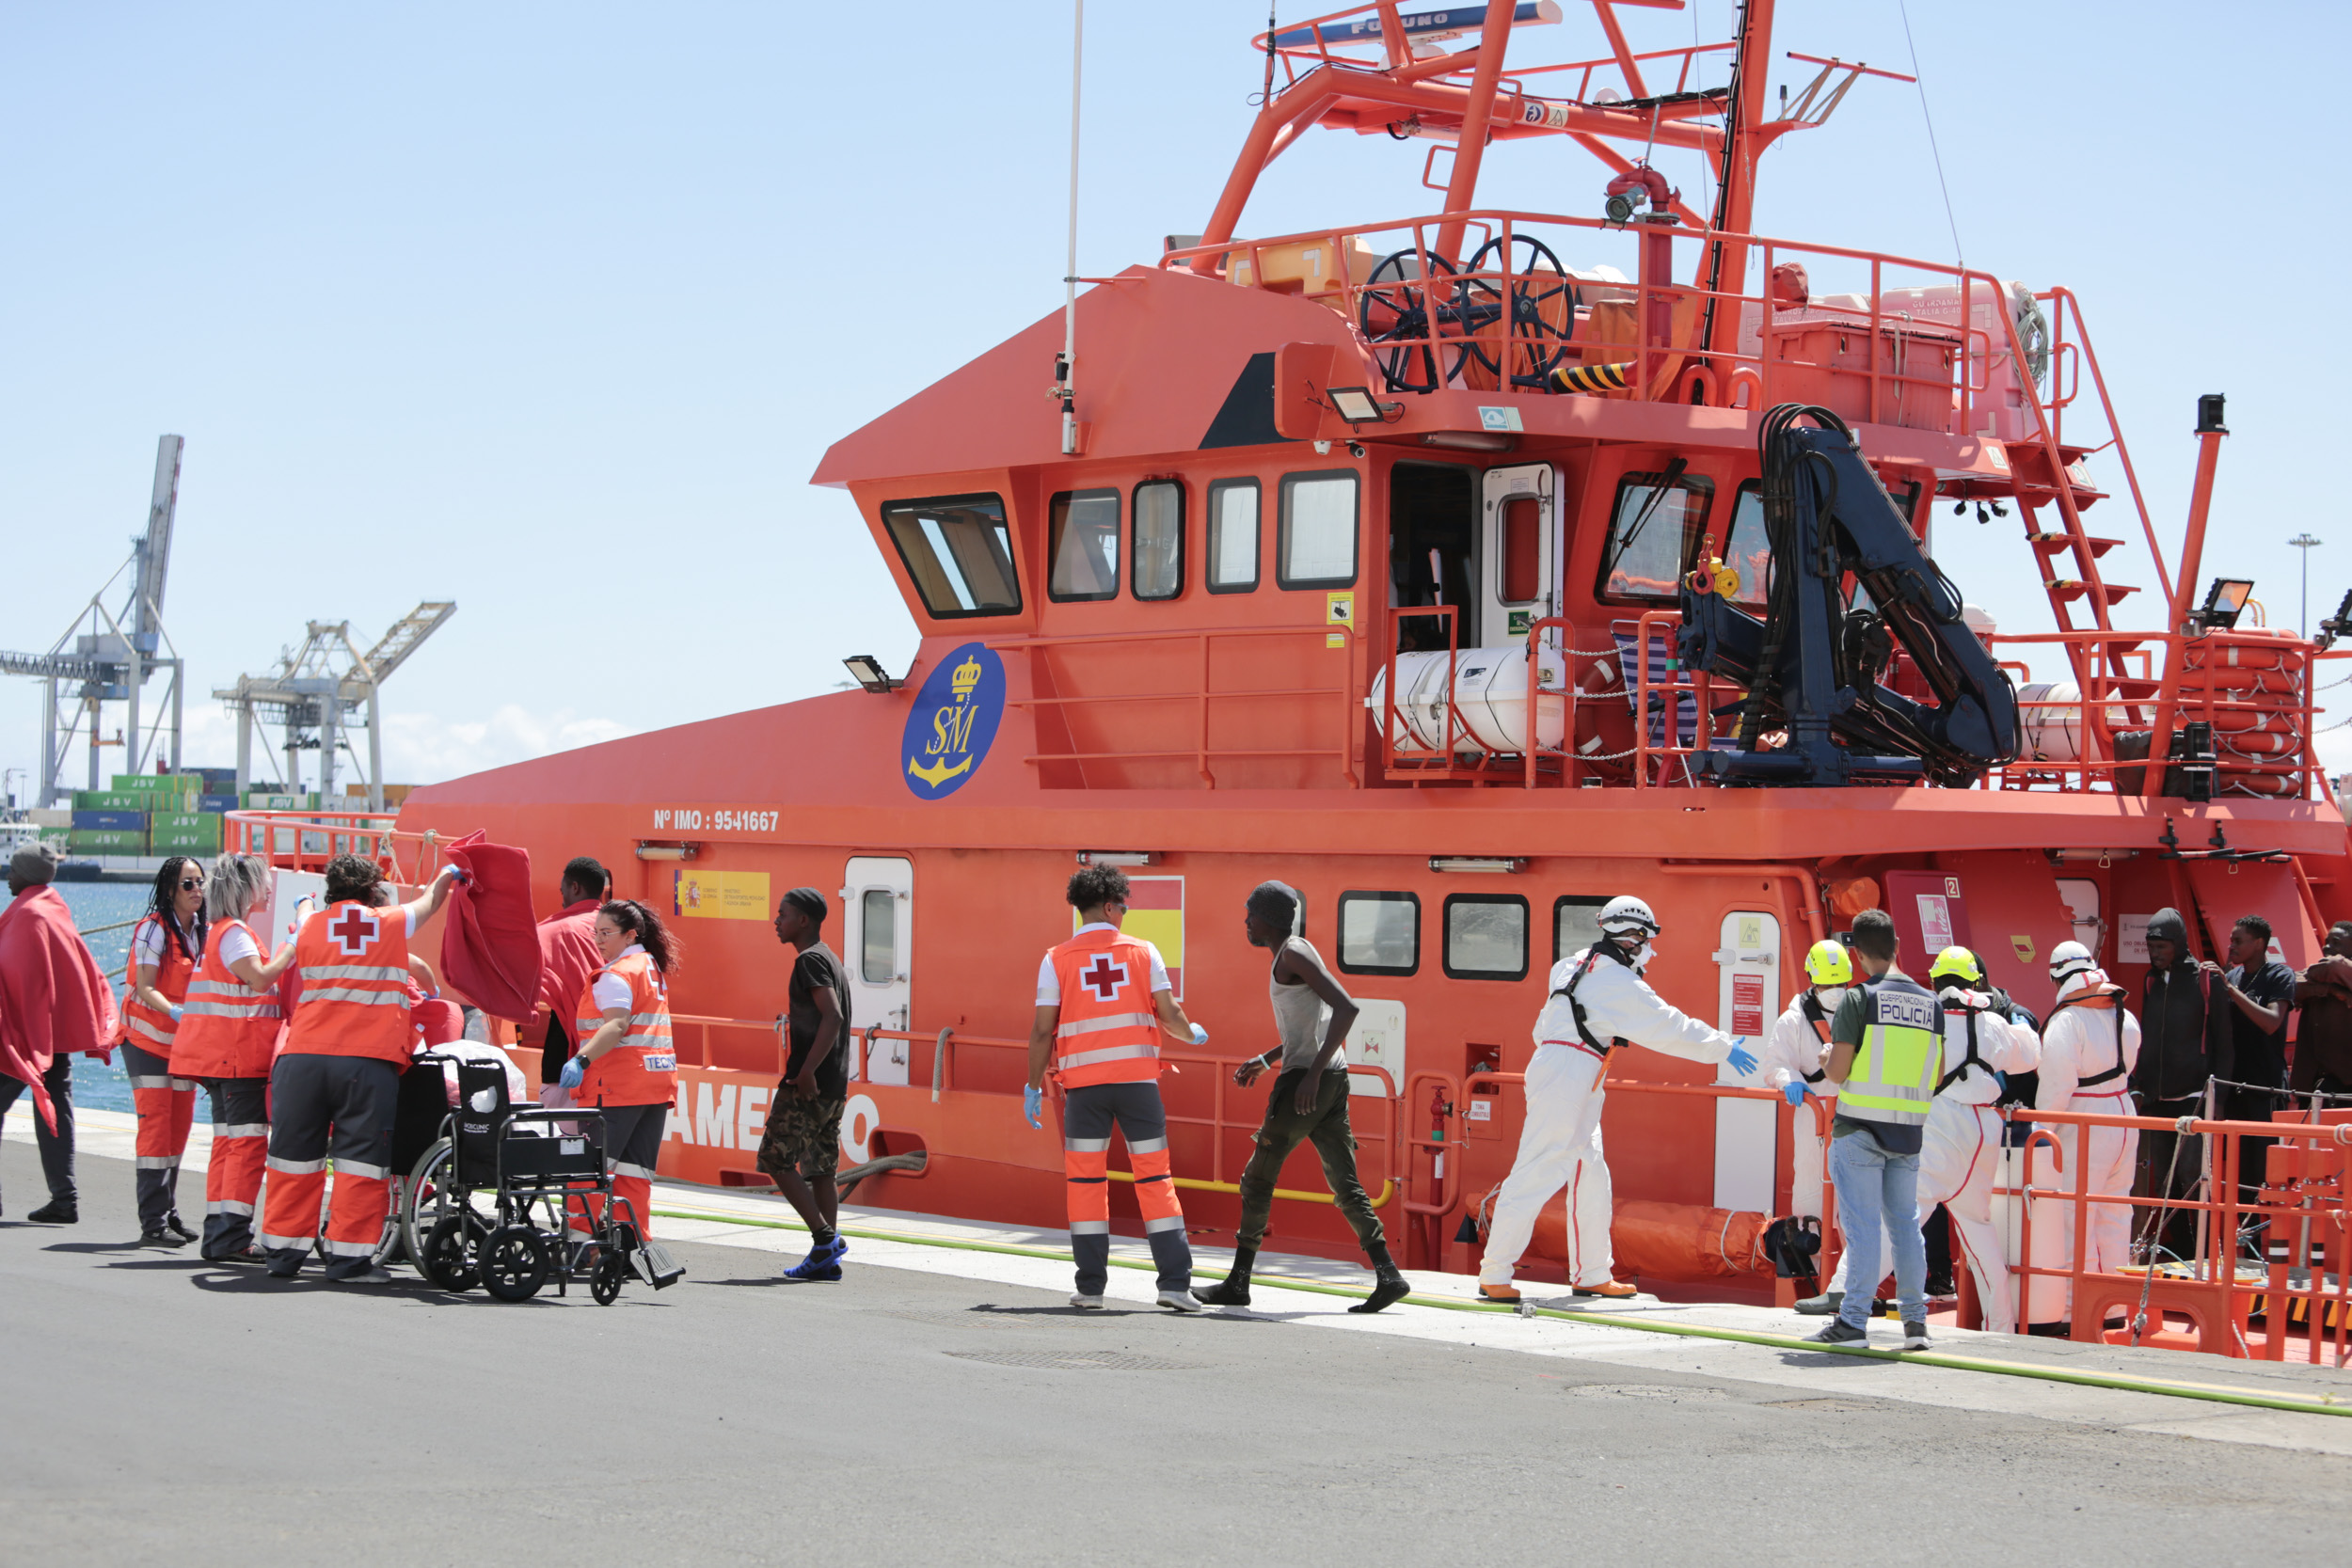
[{"x": 1309, "y": 1101}]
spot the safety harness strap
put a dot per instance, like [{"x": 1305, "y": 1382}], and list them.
[
  {"x": 2110, "y": 1074},
  {"x": 1972, "y": 1059},
  {"x": 1810, "y": 1006},
  {"x": 1597, "y": 1047}
]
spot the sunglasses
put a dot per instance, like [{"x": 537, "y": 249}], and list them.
[{"x": 191, "y": 884}]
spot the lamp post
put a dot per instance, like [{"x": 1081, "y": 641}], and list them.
[{"x": 2304, "y": 541}]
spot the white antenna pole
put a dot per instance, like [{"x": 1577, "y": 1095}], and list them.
[{"x": 1065, "y": 386}]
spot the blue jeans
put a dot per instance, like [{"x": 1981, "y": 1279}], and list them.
[{"x": 1876, "y": 1188}]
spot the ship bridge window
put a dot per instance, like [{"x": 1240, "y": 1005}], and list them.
[
  {"x": 1575, "y": 925},
  {"x": 1485, "y": 936},
  {"x": 1085, "y": 546},
  {"x": 1653, "y": 536},
  {"x": 959, "y": 552},
  {"x": 1159, "y": 555},
  {"x": 1233, "y": 537},
  {"x": 1749, "y": 552},
  {"x": 1316, "y": 532},
  {"x": 1379, "y": 933}
]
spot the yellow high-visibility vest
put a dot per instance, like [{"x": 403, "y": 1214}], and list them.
[{"x": 1901, "y": 1056}]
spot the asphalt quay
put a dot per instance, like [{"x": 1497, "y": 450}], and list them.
[{"x": 943, "y": 1399}]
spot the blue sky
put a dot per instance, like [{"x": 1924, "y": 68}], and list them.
[{"x": 552, "y": 309}]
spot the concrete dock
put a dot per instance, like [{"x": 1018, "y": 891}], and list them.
[{"x": 943, "y": 1403}]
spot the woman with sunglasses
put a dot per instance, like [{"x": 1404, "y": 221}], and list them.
[{"x": 166, "y": 946}]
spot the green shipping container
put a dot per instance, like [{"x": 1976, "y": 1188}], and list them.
[
  {"x": 109, "y": 841},
  {"x": 190, "y": 819},
  {"x": 159, "y": 783}
]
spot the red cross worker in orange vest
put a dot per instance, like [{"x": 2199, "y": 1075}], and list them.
[
  {"x": 336, "y": 1083},
  {"x": 227, "y": 1040},
  {"x": 166, "y": 945},
  {"x": 626, "y": 1064},
  {"x": 1102, "y": 998}
]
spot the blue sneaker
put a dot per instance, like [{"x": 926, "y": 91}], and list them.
[
  {"x": 809, "y": 1270},
  {"x": 829, "y": 1252}
]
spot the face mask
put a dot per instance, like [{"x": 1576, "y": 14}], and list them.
[
  {"x": 1643, "y": 955},
  {"x": 1831, "y": 997}
]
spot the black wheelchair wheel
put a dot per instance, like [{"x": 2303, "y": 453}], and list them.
[
  {"x": 447, "y": 1258},
  {"x": 513, "y": 1263},
  {"x": 604, "y": 1285}
]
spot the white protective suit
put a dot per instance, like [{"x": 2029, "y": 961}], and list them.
[
  {"x": 1963, "y": 1154},
  {"x": 1798, "y": 1050},
  {"x": 1795, "y": 1052},
  {"x": 1559, "y": 1144},
  {"x": 2081, "y": 1040}
]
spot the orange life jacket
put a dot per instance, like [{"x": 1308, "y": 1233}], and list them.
[
  {"x": 142, "y": 1026},
  {"x": 353, "y": 962},
  {"x": 1108, "y": 1032},
  {"x": 230, "y": 1030},
  {"x": 643, "y": 1068}
]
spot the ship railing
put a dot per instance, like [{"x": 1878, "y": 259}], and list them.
[
  {"x": 1428, "y": 321},
  {"x": 1381, "y": 1179},
  {"x": 1660, "y": 754},
  {"x": 307, "y": 840},
  {"x": 2298, "y": 1224},
  {"x": 1314, "y": 52},
  {"x": 1433, "y": 1188},
  {"x": 1202, "y": 754},
  {"x": 2139, "y": 683}
]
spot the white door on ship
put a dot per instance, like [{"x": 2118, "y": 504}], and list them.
[
  {"x": 1520, "y": 527},
  {"x": 877, "y": 948},
  {"x": 1747, "y": 1000}
]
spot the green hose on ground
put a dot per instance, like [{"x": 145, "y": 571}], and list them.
[{"x": 2323, "y": 1404}]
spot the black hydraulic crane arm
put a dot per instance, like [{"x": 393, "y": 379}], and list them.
[{"x": 1812, "y": 663}]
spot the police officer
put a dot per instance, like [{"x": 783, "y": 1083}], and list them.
[
  {"x": 1598, "y": 1002},
  {"x": 1885, "y": 1062}
]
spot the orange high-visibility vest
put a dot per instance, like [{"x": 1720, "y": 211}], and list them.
[
  {"x": 230, "y": 1030},
  {"x": 643, "y": 1068},
  {"x": 1108, "y": 1032},
  {"x": 353, "y": 964},
  {"x": 142, "y": 1026}
]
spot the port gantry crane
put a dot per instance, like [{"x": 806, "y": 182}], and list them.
[
  {"x": 321, "y": 691},
  {"x": 107, "y": 656}
]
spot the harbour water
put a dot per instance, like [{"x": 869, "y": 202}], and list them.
[{"x": 104, "y": 1085}]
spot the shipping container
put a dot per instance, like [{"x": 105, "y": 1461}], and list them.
[
  {"x": 216, "y": 804},
  {"x": 107, "y": 841},
  {"x": 111, "y": 821}
]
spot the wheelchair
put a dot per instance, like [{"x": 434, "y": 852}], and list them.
[{"x": 484, "y": 1203}]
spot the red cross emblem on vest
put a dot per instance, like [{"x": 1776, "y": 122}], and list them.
[
  {"x": 1103, "y": 977},
  {"x": 356, "y": 932}
]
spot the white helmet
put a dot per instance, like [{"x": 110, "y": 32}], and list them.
[
  {"x": 1625, "y": 914},
  {"x": 2068, "y": 960}
]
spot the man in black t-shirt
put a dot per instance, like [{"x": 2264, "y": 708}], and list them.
[
  {"x": 801, "y": 1147},
  {"x": 2262, "y": 995}
]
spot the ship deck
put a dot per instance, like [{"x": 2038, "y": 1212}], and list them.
[{"x": 943, "y": 1399}]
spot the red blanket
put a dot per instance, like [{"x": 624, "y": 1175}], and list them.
[
  {"x": 54, "y": 1000},
  {"x": 490, "y": 950}
]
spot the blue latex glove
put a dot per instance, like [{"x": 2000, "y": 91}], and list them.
[
  {"x": 575, "y": 1073},
  {"x": 1199, "y": 1035},
  {"x": 1033, "y": 1105},
  {"x": 1793, "y": 1092},
  {"x": 1742, "y": 1061},
  {"x": 176, "y": 1010}
]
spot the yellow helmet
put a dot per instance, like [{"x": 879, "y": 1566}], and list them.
[
  {"x": 1828, "y": 964},
  {"x": 1959, "y": 963}
]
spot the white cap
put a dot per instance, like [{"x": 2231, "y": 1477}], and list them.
[{"x": 1627, "y": 914}]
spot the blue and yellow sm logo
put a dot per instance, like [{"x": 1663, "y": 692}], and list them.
[{"x": 953, "y": 721}]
